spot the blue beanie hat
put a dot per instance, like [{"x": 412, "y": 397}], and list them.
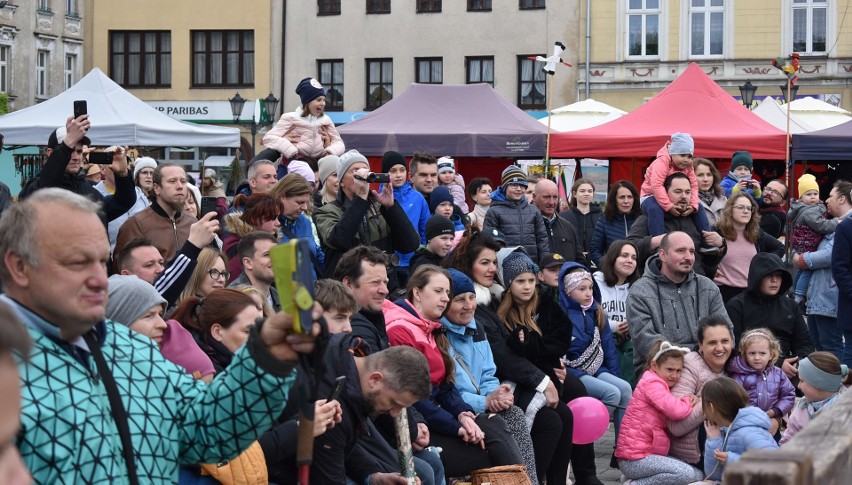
[
  {"x": 517, "y": 263},
  {"x": 461, "y": 283},
  {"x": 309, "y": 89},
  {"x": 440, "y": 194},
  {"x": 682, "y": 144}
]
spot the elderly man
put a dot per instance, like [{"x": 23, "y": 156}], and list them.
[
  {"x": 670, "y": 298},
  {"x": 563, "y": 237},
  {"x": 773, "y": 217},
  {"x": 100, "y": 403},
  {"x": 362, "y": 216},
  {"x": 679, "y": 190}
]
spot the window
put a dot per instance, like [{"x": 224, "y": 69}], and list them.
[
  {"x": 4, "y": 68},
  {"x": 379, "y": 82},
  {"x": 71, "y": 7},
  {"x": 222, "y": 58},
  {"x": 378, "y": 6},
  {"x": 70, "y": 69},
  {"x": 530, "y": 4},
  {"x": 809, "y": 26},
  {"x": 331, "y": 78},
  {"x": 478, "y": 5},
  {"x": 41, "y": 73},
  {"x": 428, "y": 6},
  {"x": 43, "y": 5},
  {"x": 643, "y": 23},
  {"x": 479, "y": 70},
  {"x": 707, "y": 27},
  {"x": 141, "y": 59},
  {"x": 532, "y": 87},
  {"x": 429, "y": 70},
  {"x": 328, "y": 7}
]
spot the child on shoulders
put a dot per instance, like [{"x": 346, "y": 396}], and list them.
[{"x": 448, "y": 176}]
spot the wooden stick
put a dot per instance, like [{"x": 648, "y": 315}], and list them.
[{"x": 403, "y": 447}]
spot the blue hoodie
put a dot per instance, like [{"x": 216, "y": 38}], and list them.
[
  {"x": 583, "y": 323},
  {"x": 748, "y": 431},
  {"x": 417, "y": 210}
]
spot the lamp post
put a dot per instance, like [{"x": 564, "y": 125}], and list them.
[
  {"x": 270, "y": 106},
  {"x": 793, "y": 91},
  {"x": 747, "y": 92}
]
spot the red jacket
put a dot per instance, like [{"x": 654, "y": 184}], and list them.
[{"x": 405, "y": 326}]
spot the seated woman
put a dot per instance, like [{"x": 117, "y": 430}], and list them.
[
  {"x": 221, "y": 322},
  {"x": 474, "y": 376},
  {"x": 469, "y": 441},
  {"x": 257, "y": 212}
]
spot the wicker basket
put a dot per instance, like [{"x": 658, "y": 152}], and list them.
[{"x": 501, "y": 475}]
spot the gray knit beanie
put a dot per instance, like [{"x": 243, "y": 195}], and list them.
[
  {"x": 130, "y": 298},
  {"x": 345, "y": 162}
]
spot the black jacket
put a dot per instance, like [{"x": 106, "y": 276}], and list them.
[
  {"x": 773, "y": 220},
  {"x": 584, "y": 223},
  {"x": 53, "y": 175},
  {"x": 565, "y": 239},
  {"x": 423, "y": 256},
  {"x": 705, "y": 265},
  {"x": 753, "y": 309}
]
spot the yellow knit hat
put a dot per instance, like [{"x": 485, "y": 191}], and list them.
[{"x": 807, "y": 182}]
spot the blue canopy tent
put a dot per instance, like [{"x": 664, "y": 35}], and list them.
[{"x": 833, "y": 143}]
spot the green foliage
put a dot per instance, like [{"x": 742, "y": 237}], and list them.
[{"x": 4, "y": 103}]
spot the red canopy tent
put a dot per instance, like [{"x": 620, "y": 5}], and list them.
[{"x": 693, "y": 103}]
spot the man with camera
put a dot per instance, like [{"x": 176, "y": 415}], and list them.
[
  {"x": 64, "y": 161},
  {"x": 360, "y": 215}
]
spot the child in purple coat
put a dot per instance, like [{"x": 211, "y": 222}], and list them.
[{"x": 768, "y": 386}]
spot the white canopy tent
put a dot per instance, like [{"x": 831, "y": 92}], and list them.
[
  {"x": 806, "y": 114},
  {"x": 582, "y": 115},
  {"x": 118, "y": 118}
]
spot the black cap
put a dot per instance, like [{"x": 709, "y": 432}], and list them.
[
  {"x": 495, "y": 234},
  {"x": 438, "y": 226},
  {"x": 552, "y": 259},
  {"x": 57, "y": 136}
]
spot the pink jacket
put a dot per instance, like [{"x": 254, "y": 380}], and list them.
[
  {"x": 656, "y": 174},
  {"x": 684, "y": 432},
  {"x": 411, "y": 329},
  {"x": 643, "y": 428},
  {"x": 308, "y": 131}
]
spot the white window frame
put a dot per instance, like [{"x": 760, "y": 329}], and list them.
[
  {"x": 5, "y": 53},
  {"x": 623, "y": 16},
  {"x": 786, "y": 46},
  {"x": 686, "y": 28},
  {"x": 70, "y": 70},
  {"x": 42, "y": 62},
  {"x": 71, "y": 7}
]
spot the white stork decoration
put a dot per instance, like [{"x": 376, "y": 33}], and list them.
[{"x": 550, "y": 64}]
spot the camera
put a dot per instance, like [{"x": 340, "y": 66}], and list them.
[{"x": 375, "y": 178}]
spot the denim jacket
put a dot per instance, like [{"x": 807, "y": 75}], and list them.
[{"x": 822, "y": 293}]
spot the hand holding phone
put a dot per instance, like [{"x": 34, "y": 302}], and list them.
[{"x": 80, "y": 108}]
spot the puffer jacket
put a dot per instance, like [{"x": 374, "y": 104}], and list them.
[
  {"x": 822, "y": 292},
  {"x": 643, "y": 428},
  {"x": 767, "y": 389},
  {"x": 730, "y": 184},
  {"x": 417, "y": 210},
  {"x": 607, "y": 232},
  {"x": 657, "y": 309},
  {"x": 584, "y": 223},
  {"x": 520, "y": 222},
  {"x": 68, "y": 435},
  {"x": 303, "y": 228},
  {"x": 684, "y": 432},
  {"x": 584, "y": 324},
  {"x": 809, "y": 223},
  {"x": 748, "y": 431},
  {"x": 474, "y": 362},
  {"x": 753, "y": 309},
  {"x": 309, "y": 129},
  {"x": 405, "y": 326}
]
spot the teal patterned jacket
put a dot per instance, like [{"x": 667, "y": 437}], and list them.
[{"x": 68, "y": 435}]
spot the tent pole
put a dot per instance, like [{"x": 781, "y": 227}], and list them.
[
  {"x": 788, "y": 168},
  {"x": 549, "y": 115}
]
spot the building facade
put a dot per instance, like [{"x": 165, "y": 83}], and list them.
[
  {"x": 638, "y": 46},
  {"x": 365, "y": 52},
  {"x": 41, "y": 49}
]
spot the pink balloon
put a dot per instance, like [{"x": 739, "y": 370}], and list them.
[{"x": 591, "y": 419}]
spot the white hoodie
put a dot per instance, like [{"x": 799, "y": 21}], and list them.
[{"x": 613, "y": 300}]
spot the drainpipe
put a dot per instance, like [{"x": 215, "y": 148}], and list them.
[
  {"x": 588, "y": 42},
  {"x": 283, "y": 56}
]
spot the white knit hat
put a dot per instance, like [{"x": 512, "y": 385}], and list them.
[{"x": 143, "y": 162}]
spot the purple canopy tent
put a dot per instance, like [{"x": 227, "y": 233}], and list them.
[{"x": 469, "y": 120}]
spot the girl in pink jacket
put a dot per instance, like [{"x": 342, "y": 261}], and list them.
[
  {"x": 643, "y": 443},
  {"x": 306, "y": 131}
]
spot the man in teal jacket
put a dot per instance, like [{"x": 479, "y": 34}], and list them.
[{"x": 100, "y": 404}]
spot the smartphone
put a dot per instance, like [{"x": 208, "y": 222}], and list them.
[
  {"x": 294, "y": 280},
  {"x": 339, "y": 384},
  {"x": 100, "y": 158},
  {"x": 80, "y": 108},
  {"x": 208, "y": 204}
]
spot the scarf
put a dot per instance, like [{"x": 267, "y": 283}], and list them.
[{"x": 706, "y": 197}]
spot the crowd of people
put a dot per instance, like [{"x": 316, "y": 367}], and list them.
[{"x": 150, "y": 345}]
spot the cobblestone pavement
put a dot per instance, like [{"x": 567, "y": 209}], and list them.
[{"x": 603, "y": 453}]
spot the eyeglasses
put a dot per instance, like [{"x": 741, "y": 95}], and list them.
[
  {"x": 215, "y": 274},
  {"x": 744, "y": 208},
  {"x": 773, "y": 191}
]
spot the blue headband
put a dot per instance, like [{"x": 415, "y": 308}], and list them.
[{"x": 819, "y": 378}]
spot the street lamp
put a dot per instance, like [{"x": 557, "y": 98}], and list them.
[
  {"x": 747, "y": 91},
  {"x": 793, "y": 91},
  {"x": 270, "y": 106}
]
